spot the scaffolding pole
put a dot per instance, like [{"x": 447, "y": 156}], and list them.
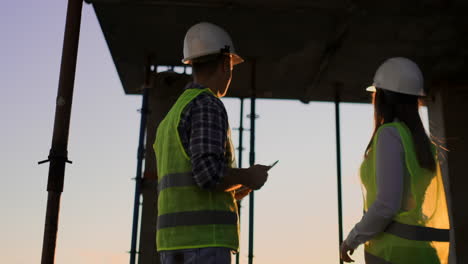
[
  {"x": 241, "y": 132},
  {"x": 240, "y": 149},
  {"x": 338, "y": 174},
  {"x": 138, "y": 179},
  {"x": 58, "y": 155},
  {"x": 252, "y": 162}
]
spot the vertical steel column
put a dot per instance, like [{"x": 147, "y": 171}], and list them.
[
  {"x": 58, "y": 152},
  {"x": 252, "y": 162},
  {"x": 241, "y": 132},
  {"x": 140, "y": 158},
  {"x": 338, "y": 172},
  {"x": 241, "y": 148}
]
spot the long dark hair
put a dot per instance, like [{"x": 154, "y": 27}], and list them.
[{"x": 390, "y": 105}]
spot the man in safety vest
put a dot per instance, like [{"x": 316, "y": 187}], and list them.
[{"x": 198, "y": 184}]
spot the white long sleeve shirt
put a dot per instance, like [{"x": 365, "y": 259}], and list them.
[{"x": 392, "y": 183}]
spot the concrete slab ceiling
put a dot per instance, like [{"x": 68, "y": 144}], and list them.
[{"x": 297, "y": 49}]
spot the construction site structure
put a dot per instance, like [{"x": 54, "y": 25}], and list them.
[{"x": 321, "y": 50}]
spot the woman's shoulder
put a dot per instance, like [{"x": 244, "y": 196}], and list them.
[{"x": 389, "y": 131}]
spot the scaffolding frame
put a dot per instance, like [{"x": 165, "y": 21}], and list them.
[{"x": 58, "y": 153}]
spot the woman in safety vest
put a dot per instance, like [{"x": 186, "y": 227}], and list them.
[{"x": 405, "y": 212}]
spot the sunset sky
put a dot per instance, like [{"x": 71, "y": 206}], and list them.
[{"x": 296, "y": 211}]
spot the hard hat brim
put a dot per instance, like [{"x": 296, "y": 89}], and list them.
[
  {"x": 371, "y": 89},
  {"x": 236, "y": 59}
]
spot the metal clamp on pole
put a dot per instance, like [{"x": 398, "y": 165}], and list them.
[
  {"x": 255, "y": 116},
  {"x": 56, "y": 157}
]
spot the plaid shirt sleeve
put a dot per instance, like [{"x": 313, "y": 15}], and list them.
[{"x": 203, "y": 130}]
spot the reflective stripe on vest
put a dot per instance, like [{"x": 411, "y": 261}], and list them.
[
  {"x": 176, "y": 180},
  {"x": 420, "y": 233},
  {"x": 197, "y": 218},
  {"x": 371, "y": 259}
]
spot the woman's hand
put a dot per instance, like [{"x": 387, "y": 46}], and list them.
[{"x": 344, "y": 252}]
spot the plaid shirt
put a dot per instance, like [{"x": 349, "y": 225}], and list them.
[{"x": 203, "y": 131}]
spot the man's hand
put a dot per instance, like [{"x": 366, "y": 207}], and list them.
[
  {"x": 344, "y": 252},
  {"x": 242, "y": 192},
  {"x": 253, "y": 178},
  {"x": 257, "y": 175}
]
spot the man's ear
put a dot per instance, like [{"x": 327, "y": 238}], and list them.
[{"x": 226, "y": 63}]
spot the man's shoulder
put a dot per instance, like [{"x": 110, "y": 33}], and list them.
[{"x": 208, "y": 100}]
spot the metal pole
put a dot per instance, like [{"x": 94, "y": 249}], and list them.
[
  {"x": 58, "y": 155},
  {"x": 140, "y": 158},
  {"x": 252, "y": 162},
  {"x": 241, "y": 132},
  {"x": 338, "y": 172},
  {"x": 241, "y": 148}
]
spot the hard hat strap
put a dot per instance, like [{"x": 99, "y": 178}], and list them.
[{"x": 226, "y": 50}]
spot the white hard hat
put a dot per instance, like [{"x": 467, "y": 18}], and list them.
[
  {"x": 399, "y": 75},
  {"x": 205, "y": 39}
]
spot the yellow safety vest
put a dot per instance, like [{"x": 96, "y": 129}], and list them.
[
  {"x": 419, "y": 232},
  {"x": 188, "y": 216}
]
